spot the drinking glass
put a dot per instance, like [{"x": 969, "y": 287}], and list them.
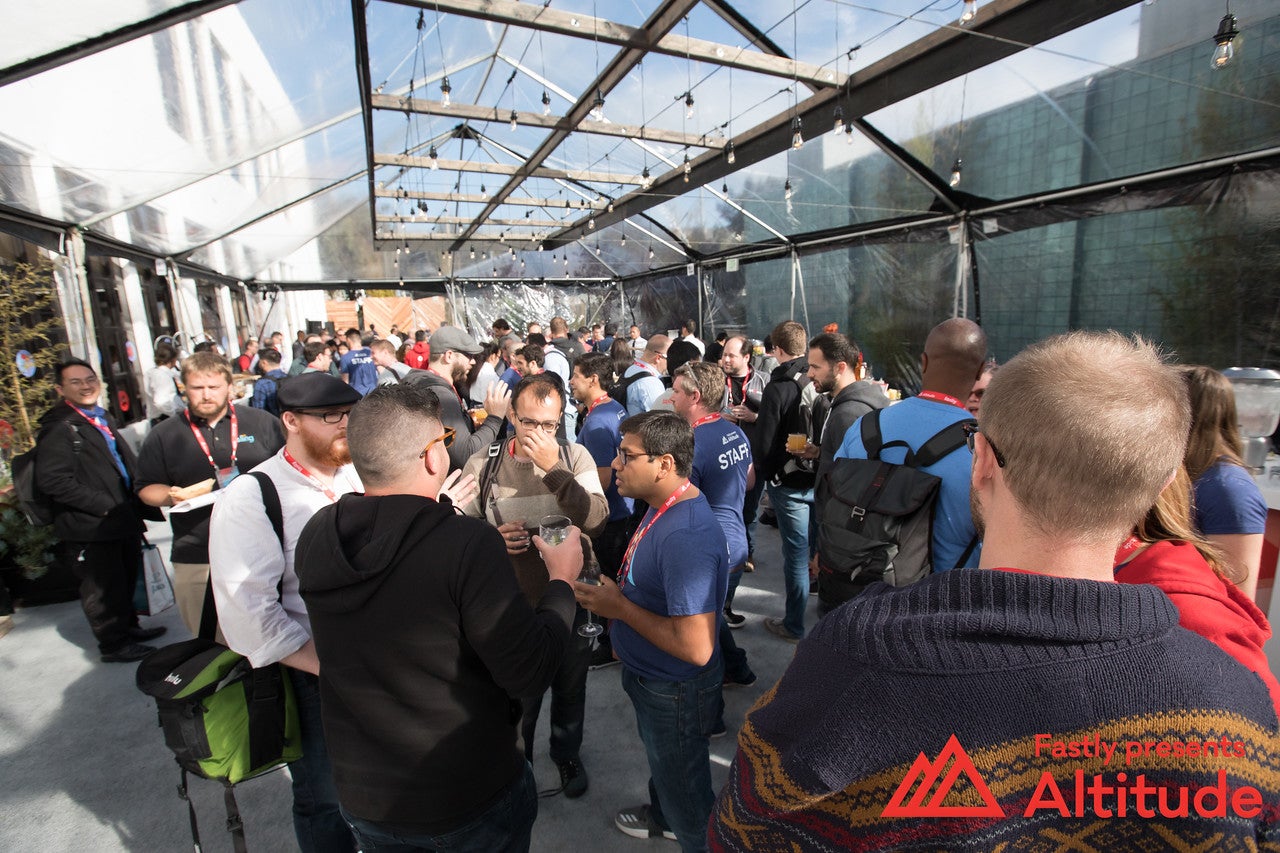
[
  {"x": 590, "y": 574},
  {"x": 553, "y": 529}
]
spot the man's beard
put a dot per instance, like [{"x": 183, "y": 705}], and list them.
[
  {"x": 209, "y": 410},
  {"x": 975, "y": 508},
  {"x": 331, "y": 452},
  {"x": 459, "y": 373}
]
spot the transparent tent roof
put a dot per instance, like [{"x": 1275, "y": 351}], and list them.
[{"x": 295, "y": 140}]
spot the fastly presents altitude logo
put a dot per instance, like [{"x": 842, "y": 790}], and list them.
[{"x": 930, "y": 773}]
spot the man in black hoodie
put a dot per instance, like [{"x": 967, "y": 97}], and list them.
[{"x": 423, "y": 635}]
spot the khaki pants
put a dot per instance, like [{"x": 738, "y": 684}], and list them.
[{"x": 189, "y": 582}]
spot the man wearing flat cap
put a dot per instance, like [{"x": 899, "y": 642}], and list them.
[
  {"x": 453, "y": 352},
  {"x": 256, "y": 590}
]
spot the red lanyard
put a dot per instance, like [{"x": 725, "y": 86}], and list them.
[
  {"x": 706, "y": 419},
  {"x": 315, "y": 481},
  {"x": 208, "y": 454},
  {"x": 646, "y": 367},
  {"x": 1127, "y": 549},
  {"x": 601, "y": 399},
  {"x": 635, "y": 540},
  {"x": 939, "y": 397},
  {"x": 100, "y": 427},
  {"x": 742, "y": 391}
]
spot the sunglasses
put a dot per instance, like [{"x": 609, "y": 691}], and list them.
[{"x": 971, "y": 430}]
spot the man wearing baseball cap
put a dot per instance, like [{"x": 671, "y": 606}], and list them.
[
  {"x": 255, "y": 587},
  {"x": 453, "y": 352}
]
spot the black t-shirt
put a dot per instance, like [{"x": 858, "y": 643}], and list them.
[{"x": 172, "y": 457}]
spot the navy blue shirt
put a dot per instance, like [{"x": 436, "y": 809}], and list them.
[
  {"x": 721, "y": 457},
  {"x": 362, "y": 373},
  {"x": 600, "y": 436}
]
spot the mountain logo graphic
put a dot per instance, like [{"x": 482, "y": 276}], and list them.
[{"x": 927, "y": 773}]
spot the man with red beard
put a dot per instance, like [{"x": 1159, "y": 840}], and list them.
[{"x": 260, "y": 610}]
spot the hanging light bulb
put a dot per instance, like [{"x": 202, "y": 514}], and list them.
[
  {"x": 956, "y": 168},
  {"x": 724, "y": 188},
  {"x": 546, "y": 103},
  {"x": 688, "y": 104},
  {"x": 522, "y": 263},
  {"x": 730, "y": 155},
  {"x": 433, "y": 159},
  {"x": 609, "y": 206},
  {"x": 514, "y": 120},
  {"x": 597, "y": 106},
  {"x": 687, "y": 168},
  {"x": 787, "y": 191},
  {"x": 484, "y": 194},
  {"x": 646, "y": 180},
  {"x": 970, "y": 9},
  {"x": 848, "y": 134},
  {"x": 1225, "y": 40},
  {"x": 623, "y": 241},
  {"x": 650, "y": 251},
  {"x": 445, "y": 90},
  {"x": 837, "y": 122},
  {"x": 473, "y": 253},
  {"x": 591, "y": 223},
  {"x": 797, "y": 138},
  {"x": 513, "y": 251}
]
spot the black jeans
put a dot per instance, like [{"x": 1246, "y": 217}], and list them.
[
  {"x": 568, "y": 700},
  {"x": 108, "y": 574}
]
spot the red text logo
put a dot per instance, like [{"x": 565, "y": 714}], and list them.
[{"x": 930, "y": 773}]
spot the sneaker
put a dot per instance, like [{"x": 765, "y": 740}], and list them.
[
  {"x": 774, "y": 626},
  {"x": 769, "y": 517},
  {"x": 128, "y": 653},
  {"x": 573, "y": 778},
  {"x": 141, "y": 635},
  {"x": 719, "y": 730},
  {"x": 740, "y": 681},
  {"x": 638, "y": 823},
  {"x": 603, "y": 657},
  {"x": 733, "y": 620},
  {"x": 749, "y": 565}
]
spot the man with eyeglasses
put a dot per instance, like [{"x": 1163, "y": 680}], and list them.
[
  {"x": 201, "y": 451},
  {"x": 419, "y": 665},
  {"x": 641, "y": 384},
  {"x": 255, "y": 586},
  {"x": 86, "y": 469},
  {"x": 522, "y": 480},
  {"x": 952, "y": 361}
]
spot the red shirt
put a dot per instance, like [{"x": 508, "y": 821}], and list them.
[
  {"x": 418, "y": 355},
  {"x": 1209, "y": 605}
]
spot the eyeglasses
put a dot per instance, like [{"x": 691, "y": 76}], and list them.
[
  {"x": 91, "y": 382},
  {"x": 626, "y": 457},
  {"x": 545, "y": 426},
  {"x": 328, "y": 417},
  {"x": 660, "y": 354},
  {"x": 446, "y": 437},
  {"x": 970, "y": 430}
]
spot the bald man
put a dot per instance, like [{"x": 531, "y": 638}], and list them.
[{"x": 952, "y": 361}]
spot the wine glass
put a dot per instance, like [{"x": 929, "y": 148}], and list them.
[{"x": 590, "y": 574}]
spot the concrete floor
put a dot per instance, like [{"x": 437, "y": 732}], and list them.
[{"x": 84, "y": 767}]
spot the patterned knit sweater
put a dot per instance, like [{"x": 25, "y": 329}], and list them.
[{"x": 1067, "y": 697}]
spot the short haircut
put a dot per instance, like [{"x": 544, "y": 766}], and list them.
[
  {"x": 536, "y": 338},
  {"x": 681, "y": 353},
  {"x": 501, "y": 325},
  {"x": 836, "y": 347},
  {"x": 206, "y": 362},
  {"x": 269, "y": 356},
  {"x": 311, "y": 350},
  {"x": 690, "y": 325},
  {"x": 387, "y": 430},
  {"x": 596, "y": 364},
  {"x": 610, "y": 330},
  {"x": 533, "y": 353},
  {"x": 662, "y": 433},
  {"x": 250, "y": 341},
  {"x": 1215, "y": 429},
  {"x": 368, "y": 338},
  {"x": 539, "y": 386},
  {"x": 204, "y": 346},
  {"x": 705, "y": 378},
  {"x": 420, "y": 336},
  {"x": 1087, "y": 459},
  {"x": 744, "y": 344},
  {"x": 165, "y": 353},
  {"x": 558, "y": 326},
  {"x": 352, "y": 332},
  {"x": 73, "y": 362},
  {"x": 657, "y": 343},
  {"x": 383, "y": 345},
  {"x": 789, "y": 337}
]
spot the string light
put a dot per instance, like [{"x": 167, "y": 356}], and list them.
[
  {"x": 591, "y": 223},
  {"x": 484, "y": 194},
  {"x": 688, "y": 104},
  {"x": 1225, "y": 39},
  {"x": 445, "y": 91},
  {"x": 645, "y": 178},
  {"x": 956, "y": 168},
  {"x": 623, "y": 241},
  {"x": 650, "y": 251},
  {"x": 433, "y": 159},
  {"x": 597, "y": 106},
  {"x": 514, "y": 120},
  {"x": 546, "y": 103},
  {"x": 730, "y": 155},
  {"x": 837, "y": 123},
  {"x": 687, "y": 168},
  {"x": 970, "y": 10},
  {"x": 797, "y": 138},
  {"x": 473, "y": 253},
  {"x": 787, "y": 191}
]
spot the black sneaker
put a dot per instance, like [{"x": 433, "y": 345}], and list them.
[
  {"x": 638, "y": 823},
  {"x": 740, "y": 681},
  {"x": 603, "y": 657},
  {"x": 573, "y": 778},
  {"x": 769, "y": 517},
  {"x": 141, "y": 635},
  {"x": 128, "y": 653},
  {"x": 719, "y": 729},
  {"x": 733, "y": 620}
]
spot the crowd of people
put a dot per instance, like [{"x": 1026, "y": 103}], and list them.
[{"x": 1091, "y": 553}]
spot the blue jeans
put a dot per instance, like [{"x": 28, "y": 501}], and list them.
[
  {"x": 316, "y": 820},
  {"x": 506, "y": 826},
  {"x": 794, "y": 508},
  {"x": 675, "y": 719}
]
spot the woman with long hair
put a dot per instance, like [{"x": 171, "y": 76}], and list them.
[
  {"x": 1227, "y": 508},
  {"x": 1165, "y": 551}
]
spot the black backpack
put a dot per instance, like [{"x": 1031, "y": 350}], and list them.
[
  {"x": 494, "y": 461},
  {"x": 875, "y": 518},
  {"x": 35, "y": 505}
]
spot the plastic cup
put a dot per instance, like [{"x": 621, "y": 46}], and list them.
[
  {"x": 796, "y": 442},
  {"x": 553, "y": 529}
]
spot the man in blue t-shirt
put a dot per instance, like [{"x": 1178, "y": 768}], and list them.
[
  {"x": 665, "y": 606},
  {"x": 721, "y": 470},
  {"x": 953, "y": 357},
  {"x": 357, "y": 367}
]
